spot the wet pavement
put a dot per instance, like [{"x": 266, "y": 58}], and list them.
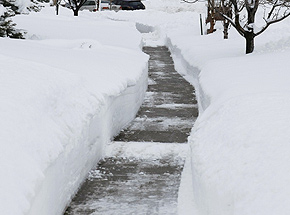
[
  {"x": 129, "y": 186},
  {"x": 169, "y": 109},
  {"x": 136, "y": 185}
]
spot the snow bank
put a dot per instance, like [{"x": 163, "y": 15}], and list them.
[
  {"x": 242, "y": 166},
  {"x": 240, "y": 142},
  {"x": 63, "y": 97}
]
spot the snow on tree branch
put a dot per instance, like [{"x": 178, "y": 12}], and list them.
[{"x": 244, "y": 14}]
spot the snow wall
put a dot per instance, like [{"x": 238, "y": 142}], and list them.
[
  {"x": 190, "y": 73},
  {"x": 186, "y": 205},
  {"x": 239, "y": 157},
  {"x": 62, "y": 178}
]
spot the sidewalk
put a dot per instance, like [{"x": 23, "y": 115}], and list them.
[
  {"x": 128, "y": 185},
  {"x": 169, "y": 109}
]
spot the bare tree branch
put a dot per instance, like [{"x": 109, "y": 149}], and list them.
[
  {"x": 272, "y": 22},
  {"x": 244, "y": 22}
]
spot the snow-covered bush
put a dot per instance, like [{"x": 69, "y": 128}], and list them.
[{"x": 7, "y": 27}]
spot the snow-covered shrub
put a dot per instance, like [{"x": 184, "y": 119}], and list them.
[{"x": 7, "y": 27}]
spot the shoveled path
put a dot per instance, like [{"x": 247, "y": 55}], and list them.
[
  {"x": 127, "y": 185},
  {"x": 169, "y": 109}
]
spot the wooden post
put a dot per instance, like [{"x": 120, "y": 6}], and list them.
[
  {"x": 201, "y": 30},
  {"x": 57, "y": 8}
]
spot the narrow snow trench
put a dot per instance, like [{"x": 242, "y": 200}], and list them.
[{"x": 142, "y": 168}]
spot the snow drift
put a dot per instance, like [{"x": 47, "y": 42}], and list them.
[
  {"x": 240, "y": 142},
  {"x": 62, "y": 100}
]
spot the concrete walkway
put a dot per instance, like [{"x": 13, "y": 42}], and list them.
[
  {"x": 129, "y": 185},
  {"x": 169, "y": 109}
]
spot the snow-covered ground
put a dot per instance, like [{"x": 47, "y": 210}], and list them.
[
  {"x": 76, "y": 81},
  {"x": 240, "y": 142},
  {"x": 64, "y": 92}
]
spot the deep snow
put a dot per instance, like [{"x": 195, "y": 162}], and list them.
[
  {"x": 238, "y": 161},
  {"x": 65, "y": 92},
  {"x": 240, "y": 142}
]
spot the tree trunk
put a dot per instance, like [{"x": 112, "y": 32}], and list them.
[
  {"x": 249, "y": 33},
  {"x": 211, "y": 26},
  {"x": 249, "y": 36},
  {"x": 76, "y": 12},
  {"x": 226, "y": 29}
]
